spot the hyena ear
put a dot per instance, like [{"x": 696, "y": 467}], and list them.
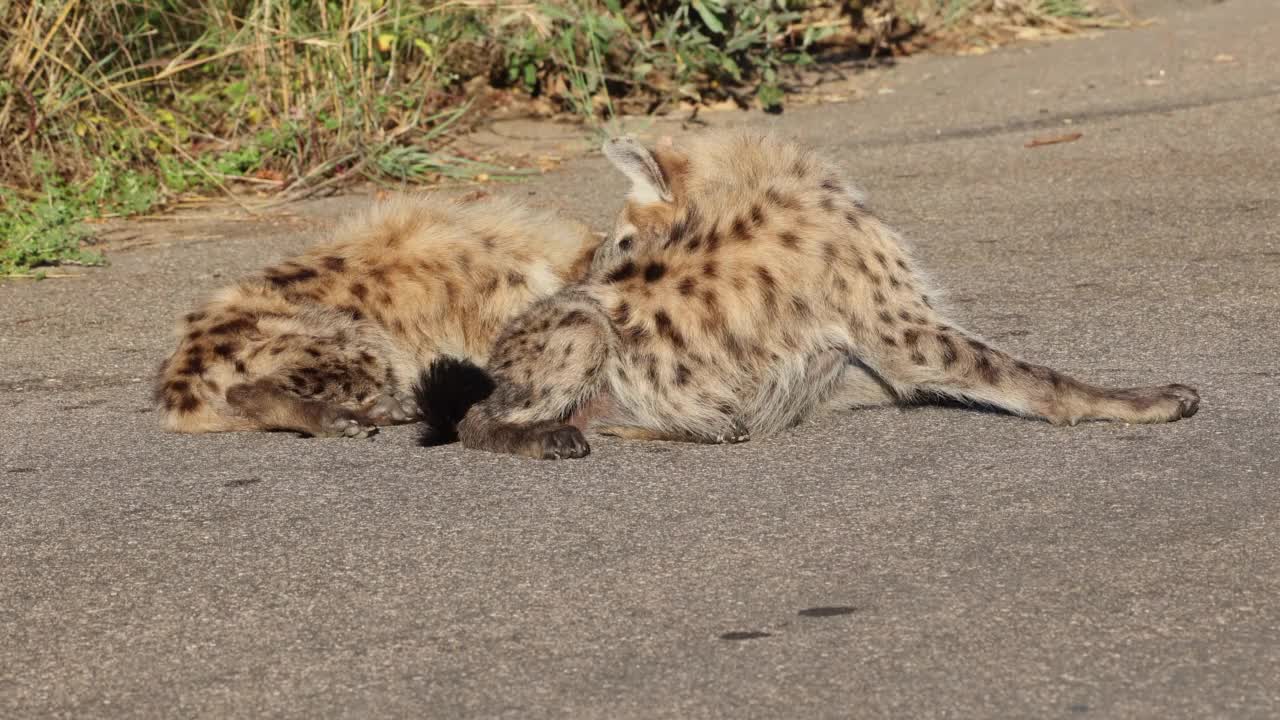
[{"x": 648, "y": 184}]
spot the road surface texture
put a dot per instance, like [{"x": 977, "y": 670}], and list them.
[{"x": 885, "y": 563}]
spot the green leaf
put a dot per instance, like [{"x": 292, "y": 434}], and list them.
[
  {"x": 708, "y": 18},
  {"x": 770, "y": 97}
]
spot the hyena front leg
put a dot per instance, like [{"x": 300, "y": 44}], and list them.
[
  {"x": 924, "y": 353},
  {"x": 547, "y": 365},
  {"x": 276, "y": 407}
]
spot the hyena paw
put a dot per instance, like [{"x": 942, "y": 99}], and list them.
[
  {"x": 409, "y": 404},
  {"x": 389, "y": 410},
  {"x": 1156, "y": 404},
  {"x": 557, "y": 443},
  {"x": 736, "y": 434},
  {"x": 346, "y": 424},
  {"x": 1163, "y": 403}
]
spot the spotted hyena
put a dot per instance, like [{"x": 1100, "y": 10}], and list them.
[
  {"x": 749, "y": 286},
  {"x": 330, "y": 342}
]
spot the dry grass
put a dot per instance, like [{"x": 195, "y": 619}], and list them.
[{"x": 109, "y": 106}]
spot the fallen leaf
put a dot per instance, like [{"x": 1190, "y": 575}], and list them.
[
  {"x": 1069, "y": 137},
  {"x": 1224, "y": 58}
]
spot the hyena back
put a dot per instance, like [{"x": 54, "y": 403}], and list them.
[
  {"x": 330, "y": 342},
  {"x": 752, "y": 285}
]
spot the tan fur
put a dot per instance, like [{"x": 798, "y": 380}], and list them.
[
  {"x": 755, "y": 286},
  {"x": 329, "y": 342}
]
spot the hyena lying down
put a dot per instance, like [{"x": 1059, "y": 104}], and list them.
[
  {"x": 328, "y": 343},
  {"x": 753, "y": 286}
]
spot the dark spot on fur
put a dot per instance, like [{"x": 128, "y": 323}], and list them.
[
  {"x": 886, "y": 318},
  {"x": 910, "y": 337},
  {"x": 681, "y": 374},
  {"x": 686, "y": 286},
  {"x": 781, "y": 199},
  {"x": 918, "y": 358},
  {"x": 852, "y": 218},
  {"x": 280, "y": 277},
  {"x": 878, "y": 297},
  {"x": 572, "y": 318},
  {"x": 662, "y": 321},
  {"x": 679, "y": 231},
  {"x": 948, "y": 350},
  {"x": 225, "y": 349},
  {"x": 188, "y": 403},
  {"x": 831, "y": 185},
  {"x": 713, "y": 239},
  {"x": 359, "y": 290},
  {"x": 977, "y": 345},
  {"x": 709, "y": 269},
  {"x": 829, "y": 252},
  {"x": 741, "y": 232},
  {"x": 623, "y": 272},
  {"x": 515, "y": 279},
  {"x": 334, "y": 263},
  {"x": 828, "y": 204},
  {"x": 1024, "y": 366},
  {"x": 654, "y": 271},
  {"x": 888, "y": 340},
  {"x": 194, "y": 317},
  {"x": 989, "y": 372},
  {"x": 757, "y": 214},
  {"x": 240, "y": 367},
  {"x": 313, "y": 352},
  {"x": 353, "y": 311},
  {"x": 233, "y": 326},
  {"x": 195, "y": 364},
  {"x": 789, "y": 240},
  {"x": 195, "y": 335},
  {"x": 622, "y": 313},
  {"x": 894, "y": 282}
]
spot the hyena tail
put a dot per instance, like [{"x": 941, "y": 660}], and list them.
[
  {"x": 445, "y": 391},
  {"x": 931, "y": 357}
]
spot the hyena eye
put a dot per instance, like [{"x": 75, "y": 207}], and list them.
[{"x": 624, "y": 242}]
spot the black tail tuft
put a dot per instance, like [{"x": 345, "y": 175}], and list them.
[{"x": 445, "y": 391}]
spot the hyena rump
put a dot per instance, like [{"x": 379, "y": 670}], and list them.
[
  {"x": 752, "y": 285},
  {"x": 329, "y": 342}
]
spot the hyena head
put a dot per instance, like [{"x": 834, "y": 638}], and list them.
[
  {"x": 725, "y": 183},
  {"x": 652, "y": 202}
]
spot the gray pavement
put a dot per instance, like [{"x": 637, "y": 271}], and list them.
[{"x": 888, "y": 563}]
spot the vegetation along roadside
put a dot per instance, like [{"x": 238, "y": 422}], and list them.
[{"x": 112, "y": 108}]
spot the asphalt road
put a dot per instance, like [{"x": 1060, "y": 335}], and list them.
[{"x": 887, "y": 563}]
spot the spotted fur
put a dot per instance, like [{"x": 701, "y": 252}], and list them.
[
  {"x": 756, "y": 287},
  {"x": 329, "y": 342}
]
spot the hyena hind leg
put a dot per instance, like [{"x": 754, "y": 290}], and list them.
[
  {"x": 276, "y": 408},
  {"x": 938, "y": 358},
  {"x": 546, "y": 367}
]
